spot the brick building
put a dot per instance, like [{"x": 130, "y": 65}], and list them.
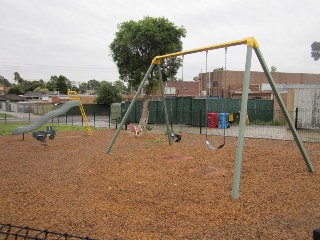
[
  {"x": 181, "y": 88},
  {"x": 214, "y": 83}
]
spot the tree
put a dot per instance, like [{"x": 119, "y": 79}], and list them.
[
  {"x": 40, "y": 89},
  {"x": 121, "y": 86},
  {"x": 4, "y": 81},
  {"x": 315, "y": 50},
  {"x": 17, "y": 78},
  {"x": 15, "y": 90},
  {"x": 137, "y": 43},
  {"x": 93, "y": 84},
  {"x": 61, "y": 84},
  {"x": 107, "y": 94},
  {"x": 83, "y": 87}
]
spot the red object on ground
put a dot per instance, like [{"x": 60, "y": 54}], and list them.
[{"x": 212, "y": 120}]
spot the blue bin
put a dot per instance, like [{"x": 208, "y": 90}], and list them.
[{"x": 223, "y": 120}]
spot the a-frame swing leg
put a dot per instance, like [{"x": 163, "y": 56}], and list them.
[
  {"x": 165, "y": 109},
  {"x": 130, "y": 108},
  {"x": 242, "y": 123},
  {"x": 284, "y": 111},
  {"x": 238, "y": 162}
]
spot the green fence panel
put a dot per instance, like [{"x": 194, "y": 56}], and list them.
[
  {"x": 198, "y": 112},
  {"x": 153, "y": 112},
  {"x": 184, "y": 109},
  {"x": 193, "y": 111},
  {"x": 260, "y": 110}
]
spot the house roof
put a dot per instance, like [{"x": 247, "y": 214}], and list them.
[
  {"x": 32, "y": 94},
  {"x": 13, "y": 97}
]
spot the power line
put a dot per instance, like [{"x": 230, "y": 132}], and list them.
[{"x": 46, "y": 66}]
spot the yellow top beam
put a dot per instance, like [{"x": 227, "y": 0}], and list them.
[{"x": 251, "y": 41}]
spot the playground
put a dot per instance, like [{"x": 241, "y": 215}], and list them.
[{"x": 147, "y": 189}]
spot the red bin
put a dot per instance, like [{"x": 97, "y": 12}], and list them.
[{"x": 212, "y": 119}]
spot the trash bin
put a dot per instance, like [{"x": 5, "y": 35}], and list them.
[
  {"x": 223, "y": 120},
  {"x": 236, "y": 117},
  {"x": 212, "y": 120}
]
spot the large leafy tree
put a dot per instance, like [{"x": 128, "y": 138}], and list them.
[
  {"x": 93, "y": 84},
  {"x": 136, "y": 43},
  {"x": 61, "y": 84},
  {"x": 315, "y": 50},
  {"x": 108, "y": 93}
]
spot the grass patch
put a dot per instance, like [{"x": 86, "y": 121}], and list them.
[
  {"x": 6, "y": 129},
  {"x": 4, "y": 115}
]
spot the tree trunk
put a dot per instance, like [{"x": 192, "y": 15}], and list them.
[{"x": 145, "y": 114}]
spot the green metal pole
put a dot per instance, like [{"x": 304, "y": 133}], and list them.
[
  {"x": 243, "y": 114},
  {"x": 165, "y": 109},
  {"x": 284, "y": 110},
  {"x": 130, "y": 108}
]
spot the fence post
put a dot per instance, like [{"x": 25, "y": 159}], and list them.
[
  {"x": 5, "y": 118},
  {"x": 66, "y": 119},
  {"x": 58, "y": 120},
  {"x": 81, "y": 120},
  {"x": 29, "y": 118},
  {"x": 296, "y": 119},
  {"x": 200, "y": 122},
  {"x": 109, "y": 119},
  {"x": 94, "y": 119}
]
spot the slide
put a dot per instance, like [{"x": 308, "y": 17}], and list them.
[{"x": 42, "y": 120}]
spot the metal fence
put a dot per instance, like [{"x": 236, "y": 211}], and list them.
[
  {"x": 9, "y": 231},
  {"x": 263, "y": 124}
]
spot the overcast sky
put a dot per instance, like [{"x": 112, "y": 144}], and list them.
[{"x": 41, "y": 38}]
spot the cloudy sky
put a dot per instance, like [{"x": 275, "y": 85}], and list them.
[{"x": 41, "y": 38}]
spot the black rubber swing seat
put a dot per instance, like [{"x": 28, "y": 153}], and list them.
[{"x": 176, "y": 137}]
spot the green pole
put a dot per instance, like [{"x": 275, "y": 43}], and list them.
[
  {"x": 165, "y": 109},
  {"x": 130, "y": 108},
  {"x": 284, "y": 110},
  {"x": 243, "y": 114}
]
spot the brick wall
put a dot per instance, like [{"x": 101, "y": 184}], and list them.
[
  {"x": 234, "y": 80},
  {"x": 183, "y": 88}
]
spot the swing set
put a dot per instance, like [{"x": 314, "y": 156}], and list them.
[
  {"x": 210, "y": 144},
  {"x": 252, "y": 44}
]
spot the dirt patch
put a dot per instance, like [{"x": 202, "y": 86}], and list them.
[{"x": 146, "y": 189}]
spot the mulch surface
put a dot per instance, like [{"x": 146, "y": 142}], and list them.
[{"x": 146, "y": 189}]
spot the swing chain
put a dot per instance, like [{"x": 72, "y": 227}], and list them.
[{"x": 225, "y": 72}]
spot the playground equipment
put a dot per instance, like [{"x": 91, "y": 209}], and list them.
[
  {"x": 42, "y": 120},
  {"x": 42, "y": 135},
  {"x": 73, "y": 95},
  {"x": 174, "y": 136},
  {"x": 210, "y": 144},
  {"x": 251, "y": 44},
  {"x": 137, "y": 131}
]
